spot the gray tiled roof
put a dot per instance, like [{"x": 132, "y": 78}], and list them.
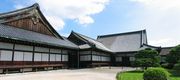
[
  {"x": 124, "y": 42},
  {"x": 33, "y": 10},
  {"x": 30, "y": 36},
  {"x": 84, "y": 46},
  {"x": 91, "y": 43},
  {"x": 144, "y": 46},
  {"x": 165, "y": 51}
]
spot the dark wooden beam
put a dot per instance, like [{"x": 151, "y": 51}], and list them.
[
  {"x": 78, "y": 57},
  {"x": 91, "y": 57},
  {"x": 13, "y": 52},
  {"x": 49, "y": 56},
  {"x": 61, "y": 55},
  {"x": 33, "y": 54}
]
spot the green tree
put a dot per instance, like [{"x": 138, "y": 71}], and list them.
[
  {"x": 174, "y": 55},
  {"x": 147, "y": 58}
]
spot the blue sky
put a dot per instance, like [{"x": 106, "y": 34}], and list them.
[{"x": 98, "y": 17}]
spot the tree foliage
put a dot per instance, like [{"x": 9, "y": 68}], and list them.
[
  {"x": 147, "y": 58},
  {"x": 177, "y": 66},
  {"x": 174, "y": 55}
]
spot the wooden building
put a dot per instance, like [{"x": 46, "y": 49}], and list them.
[
  {"x": 125, "y": 45},
  {"x": 28, "y": 42},
  {"x": 91, "y": 52}
]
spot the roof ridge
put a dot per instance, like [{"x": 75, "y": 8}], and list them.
[
  {"x": 117, "y": 34},
  {"x": 91, "y": 43},
  {"x": 86, "y": 36},
  {"x": 80, "y": 35}
]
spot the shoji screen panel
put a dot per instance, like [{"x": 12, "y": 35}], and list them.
[
  {"x": 23, "y": 47},
  {"x": 64, "y": 55},
  {"x": 6, "y": 45},
  {"x": 55, "y": 50},
  {"x": 45, "y": 57},
  {"x": 5, "y": 55},
  {"x": 52, "y": 57},
  {"x": 58, "y": 57},
  {"x": 18, "y": 56},
  {"x": 118, "y": 59},
  {"x": 85, "y": 55},
  {"x": 41, "y": 49},
  {"x": 55, "y": 54},
  {"x": 28, "y": 56},
  {"x": 37, "y": 56}
]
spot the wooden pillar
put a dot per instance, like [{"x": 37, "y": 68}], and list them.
[
  {"x": 91, "y": 58},
  {"x": 78, "y": 57},
  {"x": 22, "y": 70},
  {"x": 61, "y": 58},
  {"x": 13, "y": 52},
  {"x": 61, "y": 55},
  {"x": 49, "y": 56},
  {"x": 101, "y": 55},
  {"x": 7, "y": 71},
  {"x": 33, "y": 54},
  {"x": 36, "y": 69}
]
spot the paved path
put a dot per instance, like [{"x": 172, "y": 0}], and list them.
[{"x": 63, "y": 74}]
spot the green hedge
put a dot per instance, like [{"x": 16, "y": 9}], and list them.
[{"x": 156, "y": 74}]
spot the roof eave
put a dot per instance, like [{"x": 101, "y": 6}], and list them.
[{"x": 39, "y": 42}]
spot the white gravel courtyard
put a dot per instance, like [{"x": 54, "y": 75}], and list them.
[{"x": 65, "y": 74}]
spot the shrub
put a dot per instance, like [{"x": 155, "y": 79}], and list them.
[
  {"x": 177, "y": 66},
  {"x": 155, "y": 74},
  {"x": 118, "y": 75},
  {"x": 167, "y": 65}
]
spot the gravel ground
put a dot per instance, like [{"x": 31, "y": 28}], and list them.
[{"x": 64, "y": 74}]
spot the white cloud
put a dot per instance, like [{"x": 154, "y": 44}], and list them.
[
  {"x": 85, "y": 20},
  {"x": 77, "y": 10},
  {"x": 160, "y": 18},
  {"x": 57, "y": 23},
  {"x": 159, "y": 4},
  {"x": 163, "y": 42}
]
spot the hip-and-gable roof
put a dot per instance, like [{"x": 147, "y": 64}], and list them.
[
  {"x": 85, "y": 42},
  {"x": 29, "y": 18},
  {"x": 124, "y": 42}
]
